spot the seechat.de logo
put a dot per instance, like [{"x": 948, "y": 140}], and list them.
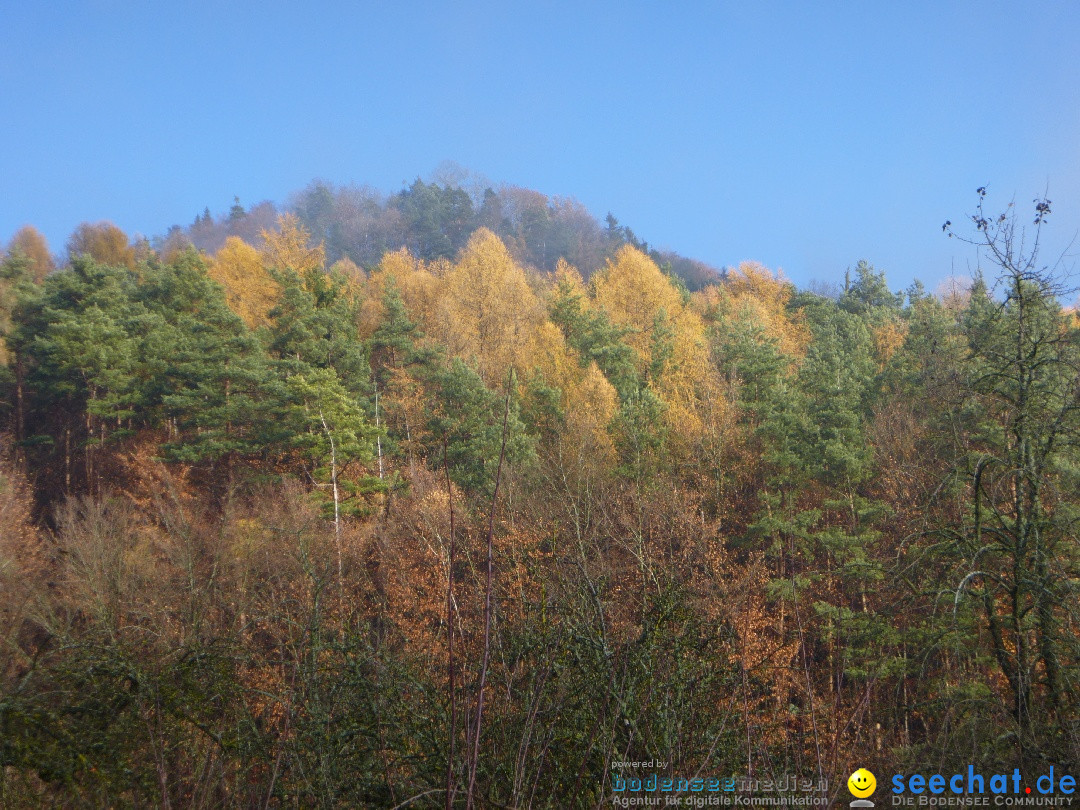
[{"x": 861, "y": 784}]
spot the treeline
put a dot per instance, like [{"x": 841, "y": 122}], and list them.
[
  {"x": 455, "y": 530},
  {"x": 434, "y": 221}
]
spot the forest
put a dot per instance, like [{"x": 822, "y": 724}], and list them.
[{"x": 452, "y": 500}]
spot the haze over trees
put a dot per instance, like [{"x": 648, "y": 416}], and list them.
[
  {"x": 434, "y": 220},
  {"x": 453, "y": 499}
]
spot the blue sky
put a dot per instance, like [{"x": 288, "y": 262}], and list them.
[{"x": 802, "y": 135}]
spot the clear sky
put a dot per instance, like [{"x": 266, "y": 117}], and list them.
[{"x": 803, "y": 135}]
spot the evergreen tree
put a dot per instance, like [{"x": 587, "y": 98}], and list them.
[
  {"x": 596, "y": 339},
  {"x": 315, "y": 325},
  {"x": 1017, "y": 422},
  {"x": 206, "y": 374},
  {"x": 465, "y": 428}
]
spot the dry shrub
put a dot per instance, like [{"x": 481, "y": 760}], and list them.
[
  {"x": 108, "y": 571},
  {"x": 23, "y": 570},
  {"x": 413, "y": 557}
]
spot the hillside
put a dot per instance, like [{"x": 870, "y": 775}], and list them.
[{"x": 373, "y": 499}]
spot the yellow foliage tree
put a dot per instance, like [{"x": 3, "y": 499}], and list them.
[
  {"x": 30, "y": 242},
  {"x": 548, "y": 353},
  {"x": 250, "y": 291},
  {"x": 753, "y": 294},
  {"x": 888, "y": 337},
  {"x": 690, "y": 387},
  {"x": 488, "y": 310},
  {"x": 416, "y": 283},
  {"x": 632, "y": 290},
  {"x": 590, "y": 405},
  {"x": 103, "y": 242},
  {"x": 348, "y": 269},
  {"x": 289, "y": 247},
  {"x": 567, "y": 275}
]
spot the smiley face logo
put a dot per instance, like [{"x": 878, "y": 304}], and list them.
[{"x": 861, "y": 783}]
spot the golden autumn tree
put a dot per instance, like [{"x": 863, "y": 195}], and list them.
[
  {"x": 666, "y": 334},
  {"x": 289, "y": 247},
  {"x": 590, "y": 403},
  {"x": 488, "y": 310},
  {"x": 349, "y": 270},
  {"x": 631, "y": 289},
  {"x": 549, "y": 354},
  {"x": 755, "y": 295},
  {"x": 888, "y": 337},
  {"x": 250, "y": 291},
  {"x": 417, "y": 285},
  {"x": 103, "y": 242},
  {"x": 570, "y": 277},
  {"x": 30, "y": 242}
]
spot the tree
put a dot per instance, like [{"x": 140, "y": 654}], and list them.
[
  {"x": 289, "y": 247},
  {"x": 490, "y": 311},
  {"x": 19, "y": 283},
  {"x": 236, "y": 211},
  {"x": 395, "y": 356},
  {"x": 103, "y": 242},
  {"x": 205, "y": 374},
  {"x": 868, "y": 291},
  {"x": 1017, "y": 460},
  {"x": 417, "y": 282},
  {"x": 753, "y": 296},
  {"x": 329, "y": 428},
  {"x": 76, "y": 338},
  {"x": 395, "y": 343},
  {"x": 632, "y": 290},
  {"x": 250, "y": 290},
  {"x": 591, "y": 333},
  {"x": 466, "y": 427},
  {"x": 314, "y": 324},
  {"x": 29, "y": 242},
  {"x": 490, "y": 215},
  {"x": 439, "y": 219}
]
